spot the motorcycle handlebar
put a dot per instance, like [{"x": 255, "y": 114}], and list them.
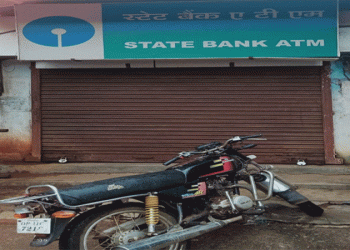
[
  {"x": 240, "y": 138},
  {"x": 232, "y": 140},
  {"x": 250, "y": 136}
]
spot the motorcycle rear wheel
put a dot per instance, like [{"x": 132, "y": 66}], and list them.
[{"x": 115, "y": 227}]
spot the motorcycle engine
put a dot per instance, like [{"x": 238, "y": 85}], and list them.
[{"x": 221, "y": 206}]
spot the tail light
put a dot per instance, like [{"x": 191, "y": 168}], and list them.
[
  {"x": 20, "y": 216},
  {"x": 64, "y": 214}
]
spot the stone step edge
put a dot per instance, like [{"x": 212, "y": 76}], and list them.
[{"x": 101, "y": 168}]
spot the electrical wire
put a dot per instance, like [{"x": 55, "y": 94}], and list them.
[{"x": 6, "y": 32}]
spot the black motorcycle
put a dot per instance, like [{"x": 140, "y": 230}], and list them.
[{"x": 217, "y": 186}]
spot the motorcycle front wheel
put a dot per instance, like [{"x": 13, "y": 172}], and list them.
[{"x": 114, "y": 228}]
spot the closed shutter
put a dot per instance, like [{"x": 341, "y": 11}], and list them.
[{"x": 151, "y": 115}]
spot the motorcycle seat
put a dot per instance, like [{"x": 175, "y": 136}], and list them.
[{"x": 122, "y": 186}]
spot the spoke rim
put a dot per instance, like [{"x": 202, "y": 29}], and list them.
[{"x": 92, "y": 238}]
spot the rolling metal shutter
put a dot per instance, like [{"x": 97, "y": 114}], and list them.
[{"x": 151, "y": 115}]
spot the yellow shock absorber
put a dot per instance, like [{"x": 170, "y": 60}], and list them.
[{"x": 152, "y": 212}]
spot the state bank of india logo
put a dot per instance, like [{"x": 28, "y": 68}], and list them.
[{"x": 59, "y": 31}]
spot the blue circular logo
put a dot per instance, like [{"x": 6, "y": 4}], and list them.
[{"x": 59, "y": 31}]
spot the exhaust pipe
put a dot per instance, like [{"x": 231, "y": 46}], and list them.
[
  {"x": 165, "y": 240},
  {"x": 282, "y": 189},
  {"x": 287, "y": 192}
]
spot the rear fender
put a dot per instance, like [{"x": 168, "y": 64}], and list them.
[{"x": 59, "y": 227}]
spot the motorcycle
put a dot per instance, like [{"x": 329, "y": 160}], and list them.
[{"x": 156, "y": 210}]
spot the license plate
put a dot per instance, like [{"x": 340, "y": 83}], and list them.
[{"x": 34, "y": 226}]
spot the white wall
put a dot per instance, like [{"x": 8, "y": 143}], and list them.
[
  {"x": 344, "y": 39},
  {"x": 341, "y": 91},
  {"x": 15, "y": 111},
  {"x": 8, "y": 41},
  {"x": 341, "y": 109}
]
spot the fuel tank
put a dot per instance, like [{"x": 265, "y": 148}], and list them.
[{"x": 206, "y": 167}]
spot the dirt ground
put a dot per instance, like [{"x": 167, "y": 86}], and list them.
[
  {"x": 269, "y": 235},
  {"x": 275, "y": 235}
]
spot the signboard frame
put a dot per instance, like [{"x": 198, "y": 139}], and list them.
[{"x": 179, "y": 30}]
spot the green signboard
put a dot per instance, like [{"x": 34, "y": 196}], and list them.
[
  {"x": 179, "y": 30},
  {"x": 220, "y": 29}
]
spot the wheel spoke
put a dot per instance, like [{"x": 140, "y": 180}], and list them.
[
  {"x": 120, "y": 228},
  {"x": 116, "y": 222},
  {"x": 136, "y": 224}
]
